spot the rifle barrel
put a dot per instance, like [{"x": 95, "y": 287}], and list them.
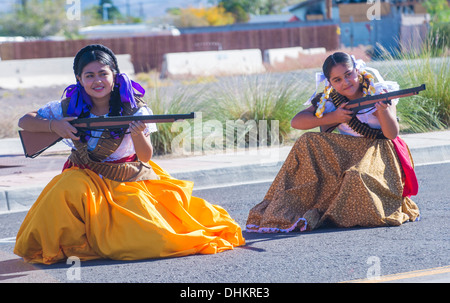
[
  {"x": 120, "y": 121},
  {"x": 366, "y": 102},
  {"x": 34, "y": 143}
]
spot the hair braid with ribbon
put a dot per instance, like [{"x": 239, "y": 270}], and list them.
[{"x": 366, "y": 79}]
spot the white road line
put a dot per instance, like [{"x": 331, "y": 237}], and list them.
[
  {"x": 8, "y": 240},
  {"x": 432, "y": 163},
  {"x": 407, "y": 275},
  {"x": 232, "y": 184}
]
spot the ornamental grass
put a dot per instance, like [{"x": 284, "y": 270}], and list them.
[{"x": 430, "y": 109}]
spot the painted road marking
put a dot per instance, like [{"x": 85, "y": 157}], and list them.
[
  {"x": 405, "y": 275},
  {"x": 8, "y": 240}
]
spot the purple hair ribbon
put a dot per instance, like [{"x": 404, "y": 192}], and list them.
[
  {"x": 79, "y": 99},
  {"x": 127, "y": 86}
]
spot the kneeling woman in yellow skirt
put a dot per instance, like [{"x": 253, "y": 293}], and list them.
[{"x": 111, "y": 201}]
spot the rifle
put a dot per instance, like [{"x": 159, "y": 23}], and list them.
[
  {"x": 369, "y": 101},
  {"x": 34, "y": 143}
]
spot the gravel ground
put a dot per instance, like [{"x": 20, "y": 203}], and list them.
[{"x": 15, "y": 103}]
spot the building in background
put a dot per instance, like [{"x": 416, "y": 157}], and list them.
[
  {"x": 127, "y": 30},
  {"x": 391, "y": 24}
]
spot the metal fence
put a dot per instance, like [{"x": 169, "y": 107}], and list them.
[{"x": 147, "y": 52}]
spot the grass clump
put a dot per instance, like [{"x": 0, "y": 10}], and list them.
[
  {"x": 256, "y": 103},
  {"x": 430, "y": 110},
  {"x": 176, "y": 100}
]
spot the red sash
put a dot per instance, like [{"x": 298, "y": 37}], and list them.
[{"x": 411, "y": 185}]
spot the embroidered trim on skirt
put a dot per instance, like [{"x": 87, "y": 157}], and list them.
[{"x": 350, "y": 181}]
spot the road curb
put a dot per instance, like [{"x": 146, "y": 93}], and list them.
[
  {"x": 231, "y": 175},
  {"x": 21, "y": 198},
  {"x": 428, "y": 155}
]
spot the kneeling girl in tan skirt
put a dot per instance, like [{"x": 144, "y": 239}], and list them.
[{"x": 361, "y": 176}]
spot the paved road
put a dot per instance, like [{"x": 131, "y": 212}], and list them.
[{"x": 328, "y": 254}]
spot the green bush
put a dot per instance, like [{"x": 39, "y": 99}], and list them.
[
  {"x": 253, "y": 99},
  {"x": 175, "y": 100}
]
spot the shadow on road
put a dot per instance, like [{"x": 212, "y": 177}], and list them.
[
  {"x": 14, "y": 268},
  {"x": 255, "y": 237}
]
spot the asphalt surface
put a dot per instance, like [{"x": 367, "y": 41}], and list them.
[
  {"x": 22, "y": 179},
  {"x": 326, "y": 255},
  {"x": 238, "y": 181}
]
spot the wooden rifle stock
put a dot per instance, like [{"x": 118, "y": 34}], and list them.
[
  {"x": 34, "y": 143},
  {"x": 367, "y": 102}
]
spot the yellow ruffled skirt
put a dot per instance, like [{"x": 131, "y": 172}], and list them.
[{"x": 81, "y": 214}]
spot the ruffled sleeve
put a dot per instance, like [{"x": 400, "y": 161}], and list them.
[
  {"x": 389, "y": 86},
  {"x": 51, "y": 110},
  {"x": 151, "y": 127}
]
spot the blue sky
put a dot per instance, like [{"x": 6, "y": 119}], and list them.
[{"x": 151, "y": 8}]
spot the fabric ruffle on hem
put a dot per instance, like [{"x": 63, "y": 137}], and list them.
[{"x": 251, "y": 228}]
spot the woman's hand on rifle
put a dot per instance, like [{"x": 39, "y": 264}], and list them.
[
  {"x": 141, "y": 141},
  {"x": 387, "y": 115},
  {"x": 63, "y": 128},
  {"x": 340, "y": 115},
  {"x": 306, "y": 119},
  {"x": 136, "y": 128},
  {"x": 32, "y": 122}
]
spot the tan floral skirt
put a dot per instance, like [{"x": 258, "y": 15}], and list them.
[{"x": 350, "y": 181}]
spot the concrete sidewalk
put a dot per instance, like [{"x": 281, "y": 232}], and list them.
[{"x": 22, "y": 179}]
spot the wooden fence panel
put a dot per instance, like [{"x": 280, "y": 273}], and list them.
[{"x": 147, "y": 52}]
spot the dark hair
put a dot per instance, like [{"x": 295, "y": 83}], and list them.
[
  {"x": 335, "y": 59},
  {"x": 95, "y": 52},
  {"x": 102, "y": 54}
]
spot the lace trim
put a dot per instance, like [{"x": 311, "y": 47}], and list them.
[{"x": 256, "y": 229}]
